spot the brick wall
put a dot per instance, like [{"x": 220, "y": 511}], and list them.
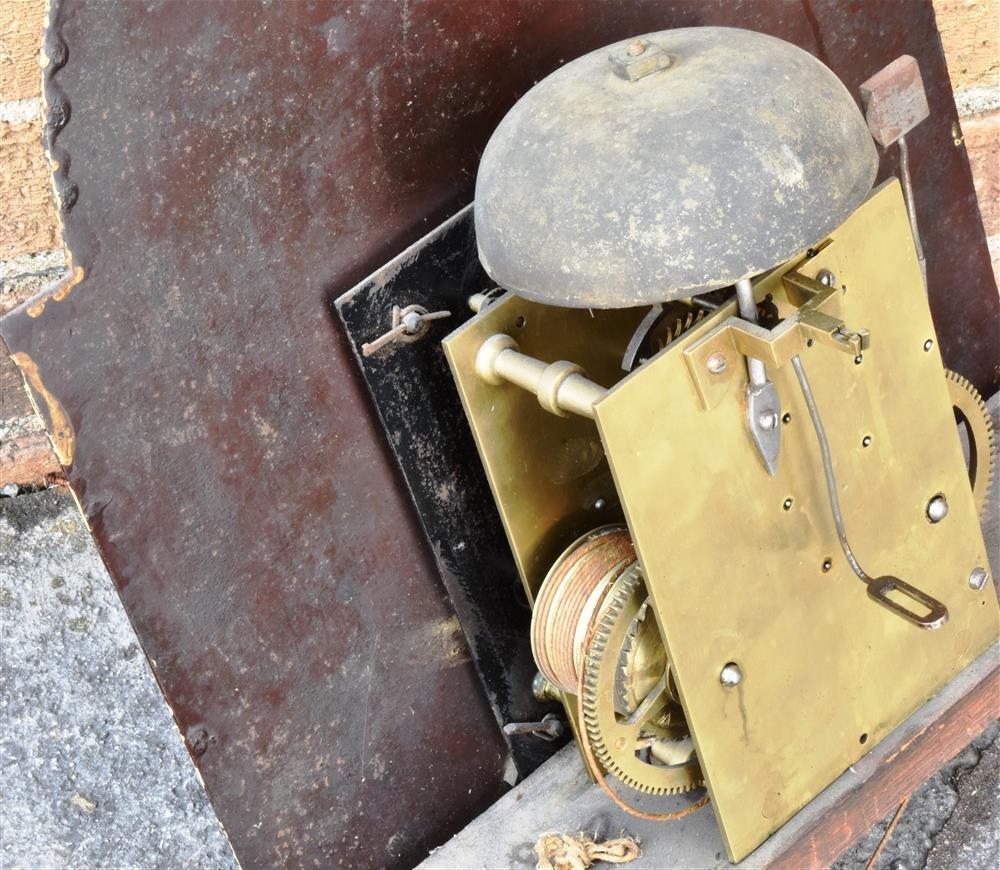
[
  {"x": 30, "y": 244},
  {"x": 970, "y": 32}
]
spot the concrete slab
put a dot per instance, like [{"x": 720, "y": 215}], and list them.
[{"x": 94, "y": 771}]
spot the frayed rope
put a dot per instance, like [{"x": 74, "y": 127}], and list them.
[{"x": 566, "y": 852}]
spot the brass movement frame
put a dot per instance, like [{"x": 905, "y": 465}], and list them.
[{"x": 743, "y": 567}]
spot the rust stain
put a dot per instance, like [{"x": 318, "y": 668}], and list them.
[
  {"x": 905, "y": 746},
  {"x": 60, "y": 430},
  {"x": 58, "y": 291}
]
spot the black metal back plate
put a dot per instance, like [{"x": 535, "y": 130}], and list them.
[{"x": 422, "y": 415}]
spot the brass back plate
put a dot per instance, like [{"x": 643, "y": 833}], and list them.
[
  {"x": 735, "y": 577},
  {"x": 547, "y": 472}
]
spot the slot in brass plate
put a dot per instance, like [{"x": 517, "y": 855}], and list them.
[{"x": 735, "y": 577}]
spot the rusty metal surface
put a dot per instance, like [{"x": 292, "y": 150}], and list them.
[
  {"x": 225, "y": 171},
  {"x": 894, "y": 100}
]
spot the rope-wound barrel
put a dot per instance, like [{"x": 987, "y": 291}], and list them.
[{"x": 569, "y": 599}]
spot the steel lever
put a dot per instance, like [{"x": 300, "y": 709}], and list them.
[
  {"x": 550, "y": 728},
  {"x": 763, "y": 403},
  {"x": 879, "y": 588}
]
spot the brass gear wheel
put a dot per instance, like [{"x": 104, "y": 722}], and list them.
[
  {"x": 642, "y": 661},
  {"x": 675, "y": 324},
  {"x": 634, "y": 724},
  {"x": 662, "y": 325},
  {"x": 971, "y": 410}
]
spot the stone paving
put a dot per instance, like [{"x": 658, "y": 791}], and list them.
[{"x": 94, "y": 771}]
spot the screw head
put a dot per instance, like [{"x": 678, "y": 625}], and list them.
[
  {"x": 731, "y": 675},
  {"x": 716, "y": 363},
  {"x": 937, "y": 509},
  {"x": 542, "y": 689},
  {"x": 635, "y": 48},
  {"x": 826, "y": 278},
  {"x": 599, "y": 504},
  {"x": 768, "y": 420},
  {"x": 412, "y": 321},
  {"x": 928, "y": 344},
  {"x": 978, "y": 578}
]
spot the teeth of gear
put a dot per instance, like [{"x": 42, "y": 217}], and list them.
[
  {"x": 640, "y": 664},
  {"x": 680, "y": 325},
  {"x": 675, "y": 319},
  {"x": 613, "y": 739},
  {"x": 970, "y": 407}
]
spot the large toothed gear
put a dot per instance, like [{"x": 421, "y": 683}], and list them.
[
  {"x": 971, "y": 410},
  {"x": 634, "y": 724}
]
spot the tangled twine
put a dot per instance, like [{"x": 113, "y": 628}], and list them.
[{"x": 566, "y": 852}]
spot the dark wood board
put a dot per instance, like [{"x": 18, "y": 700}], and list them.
[{"x": 225, "y": 171}]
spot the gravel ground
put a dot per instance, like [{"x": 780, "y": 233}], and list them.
[{"x": 94, "y": 772}]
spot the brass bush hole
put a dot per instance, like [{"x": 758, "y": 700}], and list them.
[
  {"x": 863, "y": 739},
  {"x": 866, "y": 441},
  {"x": 519, "y": 323},
  {"x": 928, "y": 344},
  {"x": 788, "y": 504},
  {"x": 787, "y": 418},
  {"x": 809, "y": 342},
  {"x": 827, "y": 564}
]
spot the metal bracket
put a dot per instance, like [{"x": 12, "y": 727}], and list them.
[
  {"x": 639, "y": 59},
  {"x": 407, "y": 324},
  {"x": 414, "y": 394},
  {"x": 711, "y": 358}
]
